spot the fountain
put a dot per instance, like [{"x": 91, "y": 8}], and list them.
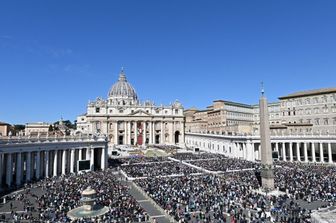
[{"x": 89, "y": 208}]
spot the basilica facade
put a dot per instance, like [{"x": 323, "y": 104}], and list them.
[{"x": 127, "y": 121}]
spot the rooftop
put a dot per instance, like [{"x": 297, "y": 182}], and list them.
[{"x": 309, "y": 93}]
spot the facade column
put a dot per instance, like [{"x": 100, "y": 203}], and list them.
[
  {"x": 9, "y": 170},
  {"x": 103, "y": 158},
  {"x": 55, "y": 163},
  {"x": 64, "y": 163},
  {"x": 277, "y": 147},
  {"x": 291, "y": 151},
  {"x": 115, "y": 133},
  {"x": 172, "y": 141},
  {"x": 330, "y": 160},
  {"x": 144, "y": 133},
  {"x": 321, "y": 153},
  {"x": 46, "y": 163},
  {"x": 313, "y": 152},
  {"x": 72, "y": 160},
  {"x": 80, "y": 154},
  {"x": 38, "y": 165},
  {"x": 135, "y": 133},
  {"x": 129, "y": 136},
  {"x": 182, "y": 133},
  {"x": 259, "y": 151},
  {"x": 298, "y": 155},
  {"x": 305, "y": 152},
  {"x": 150, "y": 133},
  {"x": 92, "y": 159},
  {"x": 87, "y": 153},
  {"x": 162, "y": 141},
  {"x": 28, "y": 166},
  {"x": 284, "y": 151},
  {"x": 18, "y": 169}
]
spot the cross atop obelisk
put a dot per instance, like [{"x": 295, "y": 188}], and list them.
[{"x": 267, "y": 173}]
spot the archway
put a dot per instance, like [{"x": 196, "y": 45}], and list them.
[{"x": 177, "y": 137}]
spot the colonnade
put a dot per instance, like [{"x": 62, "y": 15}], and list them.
[
  {"x": 140, "y": 132},
  {"x": 24, "y": 166},
  {"x": 287, "y": 149}
]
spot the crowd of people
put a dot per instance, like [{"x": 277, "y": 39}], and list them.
[
  {"x": 56, "y": 196},
  {"x": 224, "y": 164},
  {"x": 227, "y": 198},
  {"x": 197, "y": 156},
  {"x": 164, "y": 168}
]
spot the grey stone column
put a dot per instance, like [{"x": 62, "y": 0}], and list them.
[
  {"x": 72, "y": 161},
  {"x": 291, "y": 151},
  {"x": 144, "y": 133},
  {"x": 129, "y": 131},
  {"x": 135, "y": 132},
  {"x": 150, "y": 133},
  {"x": 18, "y": 168},
  {"x": 80, "y": 154},
  {"x": 298, "y": 154},
  {"x": 313, "y": 152},
  {"x": 321, "y": 153},
  {"x": 305, "y": 152},
  {"x": 64, "y": 162},
  {"x": 28, "y": 167},
  {"x": 9, "y": 170},
  {"x": 46, "y": 163},
  {"x": 92, "y": 159},
  {"x": 38, "y": 165},
  {"x": 284, "y": 151},
  {"x": 103, "y": 158},
  {"x": 115, "y": 133},
  {"x": 329, "y": 153},
  {"x": 55, "y": 163},
  {"x": 162, "y": 141}
]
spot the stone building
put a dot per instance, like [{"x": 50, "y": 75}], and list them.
[
  {"x": 220, "y": 118},
  {"x": 126, "y": 120},
  {"x": 309, "y": 112},
  {"x": 36, "y": 128}
]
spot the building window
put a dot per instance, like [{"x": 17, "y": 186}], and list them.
[
  {"x": 317, "y": 121},
  {"x": 325, "y": 122},
  {"x": 97, "y": 110}
]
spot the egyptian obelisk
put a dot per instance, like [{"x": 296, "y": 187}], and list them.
[{"x": 267, "y": 172}]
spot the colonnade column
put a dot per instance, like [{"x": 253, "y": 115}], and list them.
[
  {"x": 55, "y": 163},
  {"x": 305, "y": 152},
  {"x": 46, "y": 163},
  {"x": 72, "y": 161},
  {"x": 313, "y": 152},
  {"x": 284, "y": 152},
  {"x": 321, "y": 153},
  {"x": 9, "y": 170},
  {"x": 298, "y": 155},
  {"x": 38, "y": 165},
  {"x": 291, "y": 151},
  {"x": 80, "y": 154},
  {"x": 64, "y": 163},
  {"x": 28, "y": 166},
  {"x": 18, "y": 169},
  {"x": 330, "y": 160},
  {"x": 172, "y": 132}
]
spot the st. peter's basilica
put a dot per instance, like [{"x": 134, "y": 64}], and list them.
[{"x": 127, "y": 121}]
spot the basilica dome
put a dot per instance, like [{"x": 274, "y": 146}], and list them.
[{"x": 122, "y": 89}]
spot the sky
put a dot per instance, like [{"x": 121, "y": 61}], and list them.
[{"x": 55, "y": 56}]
